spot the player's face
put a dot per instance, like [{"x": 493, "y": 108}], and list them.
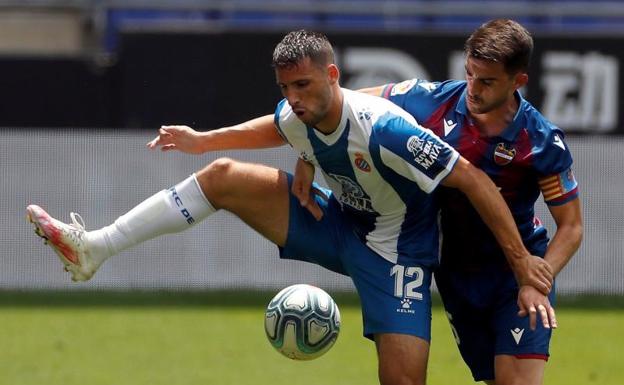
[
  {"x": 307, "y": 88},
  {"x": 489, "y": 86}
]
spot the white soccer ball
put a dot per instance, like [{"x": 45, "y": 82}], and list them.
[{"x": 302, "y": 322}]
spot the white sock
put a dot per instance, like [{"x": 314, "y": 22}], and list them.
[{"x": 166, "y": 212}]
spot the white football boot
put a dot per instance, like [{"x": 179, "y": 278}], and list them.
[{"x": 67, "y": 240}]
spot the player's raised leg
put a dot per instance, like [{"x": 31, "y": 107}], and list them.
[{"x": 257, "y": 194}]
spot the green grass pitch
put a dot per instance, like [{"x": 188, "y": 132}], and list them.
[{"x": 98, "y": 338}]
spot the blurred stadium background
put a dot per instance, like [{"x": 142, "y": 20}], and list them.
[{"x": 85, "y": 84}]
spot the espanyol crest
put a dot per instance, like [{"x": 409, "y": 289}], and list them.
[
  {"x": 361, "y": 163},
  {"x": 503, "y": 155}
]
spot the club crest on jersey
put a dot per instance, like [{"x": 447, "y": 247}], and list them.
[
  {"x": 503, "y": 155},
  {"x": 361, "y": 163}
]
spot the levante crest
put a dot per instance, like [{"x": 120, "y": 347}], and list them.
[{"x": 503, "y": 155}]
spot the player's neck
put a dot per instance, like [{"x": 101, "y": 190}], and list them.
[
  {"x": 493, "y": 123},
  {"x": 331, "y": 121}
]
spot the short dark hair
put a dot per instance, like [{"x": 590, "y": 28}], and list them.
[
  {"x": 297, "y": 45},
  {"x": 503, "y": 41}
]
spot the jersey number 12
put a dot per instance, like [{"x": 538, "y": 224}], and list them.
[{"x": 414, "y": 275}]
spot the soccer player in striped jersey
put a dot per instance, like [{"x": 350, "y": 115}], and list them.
[
  {"x": 489, "y": 122},
  {"x": 376, "y": 223}
]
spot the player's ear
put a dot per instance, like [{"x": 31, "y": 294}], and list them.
[
  {"x": 521, "y": 80},
  {"x": 333, "y": 73}
]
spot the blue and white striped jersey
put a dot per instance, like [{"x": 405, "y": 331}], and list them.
[{"x": 381, "y": 166}]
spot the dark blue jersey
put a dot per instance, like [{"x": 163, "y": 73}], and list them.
[{"x": 528, "y": 158}]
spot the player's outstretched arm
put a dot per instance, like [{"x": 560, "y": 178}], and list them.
[
  {"x": 255, "y": 133},
  {"x": 493, "y": 209},
  {"x": 568, "y": 235},
  {"x": 529, "y": 270}
]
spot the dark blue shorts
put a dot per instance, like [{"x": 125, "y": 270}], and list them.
[
  {"x": 394, "y": 298},
  {"x": 482, "y": 310}
]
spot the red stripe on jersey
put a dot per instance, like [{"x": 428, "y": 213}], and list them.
[{"x": 435, "y": 122}]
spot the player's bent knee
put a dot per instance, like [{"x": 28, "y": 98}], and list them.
[
  {"x": 216, "y": 168},
  {"x": 213, "y": 179}
]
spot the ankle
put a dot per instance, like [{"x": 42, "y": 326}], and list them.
[{"x": 99, "y": 244}]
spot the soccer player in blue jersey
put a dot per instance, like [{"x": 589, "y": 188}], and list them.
[
  {"x": 488, "y": 121},
  {"x": 376, "y": 223}
]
